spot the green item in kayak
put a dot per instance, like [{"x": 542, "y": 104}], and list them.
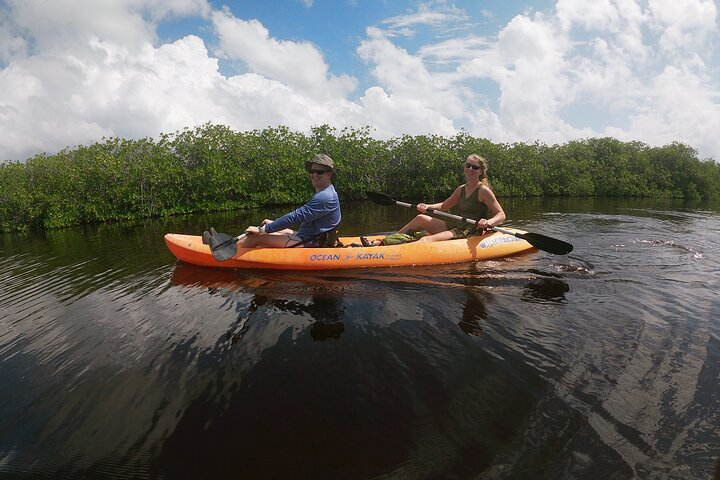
[{"x": 398, "y": 238}]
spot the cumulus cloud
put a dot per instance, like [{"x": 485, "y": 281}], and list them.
[
  {"x": 77, "y": 71},
  {"x": 61, "y": 100},
  {"x": 406, "y": 76},
  {"x": 397, "y": 115},
  {"x": 72, "y": 72},
  {"x": 686, "y": 24},
  {"x": 63, "y": 25},
  {"x": 645, "y": 63},
  {"x": 642, "y": 65},
  {"x": 299, "y": 65}
]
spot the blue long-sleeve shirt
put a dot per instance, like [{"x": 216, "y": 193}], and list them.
[{"x": 319, "y": 215}]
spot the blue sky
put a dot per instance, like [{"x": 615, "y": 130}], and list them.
[{"x": 72, "y": 72}]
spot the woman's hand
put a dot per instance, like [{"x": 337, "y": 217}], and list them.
[
  {"x": 483, "y": 224},
  {"x": 421, "y": 207},
  {"x": 266, "y": 221}
]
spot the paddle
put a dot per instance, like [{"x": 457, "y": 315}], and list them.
[
  {"x": 541, "y": 242},
  {"x": 222, "y": 246}
]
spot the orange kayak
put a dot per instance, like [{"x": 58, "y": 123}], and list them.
[{"x": 190, "y": 249}]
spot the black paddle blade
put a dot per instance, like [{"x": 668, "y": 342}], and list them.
[
  {"x": 548, "y": 244},
  {"x": 222, "y": 246},
  {"x": 380, "y": 198}
]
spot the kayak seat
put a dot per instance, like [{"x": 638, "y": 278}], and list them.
[{"x": 330, "y": 239}]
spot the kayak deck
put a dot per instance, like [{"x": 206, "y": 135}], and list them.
[{"x": 190, "y": 249}]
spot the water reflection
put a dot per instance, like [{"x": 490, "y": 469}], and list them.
[
  {"x": 474, "y": 312},
  {"x": 324, "y": 310},
  {"x": 240, "y": 326},
  {"x": 546, "y": 287},
  {"x": 323, "y": 307},
  {"x": 319, "y": 300},
  {"x": 411, "y": 376},
  {"x": 297, "y": 406}
]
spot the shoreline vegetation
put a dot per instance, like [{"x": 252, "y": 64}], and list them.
[{"x": 212, "y": 168}]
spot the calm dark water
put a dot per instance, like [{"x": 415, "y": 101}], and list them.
[{"x": 117, "y": 362}]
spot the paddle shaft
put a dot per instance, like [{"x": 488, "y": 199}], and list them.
[
  {"x": 450, "y": 215},
  {"x": 228, "y": 248}
]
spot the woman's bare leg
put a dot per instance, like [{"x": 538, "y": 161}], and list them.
[
  {"x": 424, "y": 222},
  {"x": 435, "y": 227},
  {"x": 437, "y": 237}
]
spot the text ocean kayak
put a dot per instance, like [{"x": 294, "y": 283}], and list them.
[{"x": 190, "y": 249}]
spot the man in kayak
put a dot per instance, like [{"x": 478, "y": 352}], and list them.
[
  {"x": 474, "y": 199},
  {"x": 321, "y": 214}
]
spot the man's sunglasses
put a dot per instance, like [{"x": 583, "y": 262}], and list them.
[
  {"x": 474, "y": 167},
  {"x": 317, "y": 172}
]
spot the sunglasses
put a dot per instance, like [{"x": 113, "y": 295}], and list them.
[
  {"x": 317, "y": 171},
  {"x": 474, "y": 167}
]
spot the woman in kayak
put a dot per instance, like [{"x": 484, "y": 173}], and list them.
[
  {"x": 474, "y": 199},
  {"x": 321, "y": 214}
]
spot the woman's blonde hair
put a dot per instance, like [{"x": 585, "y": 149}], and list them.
[{"x": 483, "y": 167}]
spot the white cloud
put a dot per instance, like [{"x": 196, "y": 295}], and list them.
[
  {"x": 101, "y": 80},
  {"x": 615, "y": 57},
  {"x": 56, "y": 101},
  {"x": 646, "y": 64},
  {"x": 72, "y": 72},
  {"x": 683, "y": 24},
  {"x": 406, "y": 76},
  {"x": 62, "y": 25},
  {"x": 597, "y": 15},
  {"x": 679, "y": 105},
  {"x": 533, "y": 82},
  {"x": 11, "y": 45},
  {"x": 300, "y": 65},
  {"x": 394, "y": 116},
  {"x": 455, "y": 50},
  {"x": 433, "y": 12}
]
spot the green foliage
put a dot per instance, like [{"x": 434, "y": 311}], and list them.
[{"x": 213, "y": 168}]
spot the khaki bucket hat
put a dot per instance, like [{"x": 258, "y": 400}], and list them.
[{"x": 320, "y": 159}]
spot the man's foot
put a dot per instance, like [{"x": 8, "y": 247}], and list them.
[{"x": 206, "y": 237}]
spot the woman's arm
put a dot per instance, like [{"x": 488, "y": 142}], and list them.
[
  {"x": 487, "y": 196},
  {"x": 452, "y": 200},
  {"x": 449, "y": 203}
]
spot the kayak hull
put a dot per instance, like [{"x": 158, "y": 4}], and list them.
[{"x": 190, "y": 249}]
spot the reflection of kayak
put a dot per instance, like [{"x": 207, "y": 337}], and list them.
[{"x": 190, "y": 249}]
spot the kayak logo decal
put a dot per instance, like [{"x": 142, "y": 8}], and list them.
[
  {"x": 497, "y": 241},
  {"x": 370, "y": 256},
  {"x": 324, "y": 257}
]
